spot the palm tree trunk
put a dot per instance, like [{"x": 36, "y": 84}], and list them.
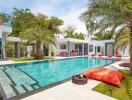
[
  {"x": 130, "y": 65},
  {"x": 38, "y": 51}
]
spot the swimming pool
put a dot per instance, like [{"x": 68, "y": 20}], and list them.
[{"x": 16, "y": 79}]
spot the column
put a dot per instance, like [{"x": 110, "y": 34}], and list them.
[
  {"x": 83, "y": 49},
  {"x": 17, "y": 49},
  {"x": 68, "y": 48},
  {"x": 33, "y": 48}
]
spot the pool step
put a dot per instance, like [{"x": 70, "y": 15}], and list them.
[
  {"x": 9, "y": 92},
  {"x": 36, "y": 87},
  {"x": 14, "y": 81},
  {"x": 20, "y": 89}
]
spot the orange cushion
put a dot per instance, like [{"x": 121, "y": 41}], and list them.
[{"x": 109, "y": 76}]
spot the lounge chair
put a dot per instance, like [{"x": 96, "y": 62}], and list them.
[
  {"x": 118, "y": 55},
  {"x": 63, "y": 54},
  {"x": 124, "y": 64}
]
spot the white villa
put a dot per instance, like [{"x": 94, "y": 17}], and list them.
[{"x": 64, "y": 46}]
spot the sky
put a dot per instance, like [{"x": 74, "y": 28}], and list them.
[{"x": 67, "y": 10}]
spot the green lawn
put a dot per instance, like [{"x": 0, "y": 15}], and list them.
[
  {"x": 28, "y": 59},
  {"x": 124, "y": 92}
]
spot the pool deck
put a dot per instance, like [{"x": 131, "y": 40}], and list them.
[{"x": 69, "y": 91}]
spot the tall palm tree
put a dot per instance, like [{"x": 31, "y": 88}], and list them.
[
  {"x": 103, "y": 15},
  {"x": 102, "y": 36},
  {"x": 69, "y": 31},
  {"x": 122, "y": 40},
  {"x": 40, "y": 34}
]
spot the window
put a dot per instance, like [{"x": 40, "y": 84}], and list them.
[
  {"x": 62, "y": 46},
  {"x": 90, "y": 48}
]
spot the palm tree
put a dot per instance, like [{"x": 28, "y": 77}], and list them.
[
  {"x": 4, "y": 18},
  {"x": 103, "y": 15},
  {"x": 102, "y": 36},
  {"x": 40, "y": 34},
  {"x": 122, "y": 40},
  {"x": 69, "y": 31}
]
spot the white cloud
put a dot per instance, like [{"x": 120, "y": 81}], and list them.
[
  {"x": 73, "y": 19},
  {"x": 68, "y": 10}
]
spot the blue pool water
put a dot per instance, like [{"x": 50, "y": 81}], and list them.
[
  {"x": 20, "y": 78},
  {"x": 48, "y": 72}
]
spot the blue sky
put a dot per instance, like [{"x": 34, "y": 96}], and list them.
[{"x": 68, "y": 10}]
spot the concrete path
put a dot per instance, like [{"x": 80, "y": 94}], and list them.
[{"x": 70, "y": 91}]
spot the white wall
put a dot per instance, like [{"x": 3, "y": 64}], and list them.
[
  {"x": 96, "y": 43},
  {"x": 124, "y": 53}
]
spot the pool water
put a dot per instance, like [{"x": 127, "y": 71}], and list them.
[{"x": 38, "y": 74}]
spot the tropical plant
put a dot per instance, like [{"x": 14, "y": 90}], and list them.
[
  {"x": 70, "y": 33},
  {"x": 4, "y": 17},
  {"x": 79, "y": 36},
  {"x": 122, "y": 40},
  {"x": 102, "y": 36},
  {"x": 103, "y": 15},
  {"x": 21, "y": 20},
  {"x": 41, "y": 33}
]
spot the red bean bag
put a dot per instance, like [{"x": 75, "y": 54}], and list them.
[
  {"x": 94, "y": 72},
  {"x": 108, "y": 76}
]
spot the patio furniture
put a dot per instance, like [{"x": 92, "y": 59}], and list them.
[
  {"x": 63, "y": 54},
  {"x": 79, "y": 79},
  {"x": 118, "y": 55},
  {"x": 124, "y": 64},
  {"x": 108, "y": 76},
  {"x": 74, "y": 53},
  {"x": 109, "y": 55},
  {"x": 93, "y": 55},
  {"x": 100, "y": 55}
]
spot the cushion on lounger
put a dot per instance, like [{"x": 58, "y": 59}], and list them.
[
  {"x": 100, "y": 54},
  {"x": 124, "y": 63},
  {"x": 93, "y": 54},
  {"x": 118, "y": 55},
  {"x": 109, "y": 55},
  {"x": 108, "y": 76}
]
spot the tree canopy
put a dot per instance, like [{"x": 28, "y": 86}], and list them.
[
  {"x": 102, "y": 36},
  {"x": 4, "y": 17},
  {"x": 42, "y": 32},
  {"x": 70, "y": 33},
  {"x": 112, "y": 15},
  {"x": 21, "y": 20}
]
